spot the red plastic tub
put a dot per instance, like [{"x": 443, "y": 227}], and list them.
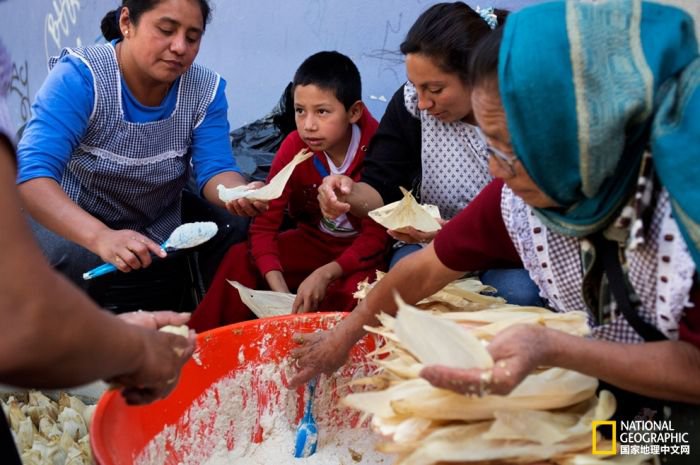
[{"x": 120, "y": 432}]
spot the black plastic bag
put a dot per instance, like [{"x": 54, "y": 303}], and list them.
[{"x": 255, "y": 144}]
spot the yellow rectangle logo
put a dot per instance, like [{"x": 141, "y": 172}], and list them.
[{"x": 594, "y": 432}]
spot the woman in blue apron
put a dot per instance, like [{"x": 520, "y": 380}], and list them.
[{"x": 118, "y": 129}]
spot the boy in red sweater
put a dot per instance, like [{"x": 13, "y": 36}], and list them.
[{"x": 322, "y": 260}]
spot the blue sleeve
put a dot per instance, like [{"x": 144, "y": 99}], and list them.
[
  {"x": 61, "y": 110},
  {"x": 211, "y": 145}
]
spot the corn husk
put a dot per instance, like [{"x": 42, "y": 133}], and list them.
[
  {"x": 51, "y": 432},
  {"x": 407, "y": 212},
  {"x": 265, "y": 303},
  {"x": 180, "y": 330},
  {"x": 547, "y": 417},
  {"x": 433, "y": 340},
  {"x": 271, "y": 190}
]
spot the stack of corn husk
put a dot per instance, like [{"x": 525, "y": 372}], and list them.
[
  {"x": 546, "y": 418},
  {"x": 48, "y": 432}
]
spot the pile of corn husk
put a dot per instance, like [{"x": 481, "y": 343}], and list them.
[
  {"x": 48, "y": 432},
  {"x": 546, "y": 418}
]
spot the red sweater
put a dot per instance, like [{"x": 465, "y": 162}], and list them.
[
  {"x": 299, "y": 199},
  {"x": 487, "y": 245}
]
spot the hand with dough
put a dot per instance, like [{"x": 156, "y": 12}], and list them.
[
  {"x": 245, "y": 207},
  {"x": 411, "y": 235},
  {"x": 516, "y": 352}
]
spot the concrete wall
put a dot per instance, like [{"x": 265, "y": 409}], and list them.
[{"x": 256, "y": 45}]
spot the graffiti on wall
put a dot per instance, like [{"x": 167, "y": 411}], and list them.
[
  {"x": 59, "y": 26},
  {"x": 19, "y": 86}
]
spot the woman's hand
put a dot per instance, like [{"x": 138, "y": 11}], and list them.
[
  {"x": 516, "y": 352},
  {"x": 332, "y": 195},
  {"x": 126, "y": 249},
  {"x": 311, "y": 292},
  {"x": 411, "y": 235},
  {"x": 320, "y": 352},
  {"x": 245, "y": 207}
]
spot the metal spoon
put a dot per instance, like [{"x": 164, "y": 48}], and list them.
[{"x": 183, "y": 237}]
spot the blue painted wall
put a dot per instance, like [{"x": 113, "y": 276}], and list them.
[{"x": 255, "y": 45}]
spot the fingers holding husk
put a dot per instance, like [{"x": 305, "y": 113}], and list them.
[{"x": 546, "y": 417}]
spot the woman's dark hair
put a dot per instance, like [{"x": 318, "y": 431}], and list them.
[
  {"x": 483, "y": 64},
  {"x": 331, "y": 71},
  {"x": 110, "y": 22},
  {"x": 447, "y": 33}
]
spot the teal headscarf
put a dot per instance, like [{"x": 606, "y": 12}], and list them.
[{"x": 587, "y": 87}]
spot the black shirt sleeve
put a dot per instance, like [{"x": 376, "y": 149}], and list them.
[{"x": 394, "y": 155}]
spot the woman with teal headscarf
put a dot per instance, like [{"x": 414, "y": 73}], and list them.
[{"x": 591, "y": 111}]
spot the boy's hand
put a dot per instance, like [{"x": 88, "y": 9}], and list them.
[
  {"x": 275, "y": 281},
  {"x": 310, "y": 293},
  {"x": 332, "y": 195},
  {"x": 312, "y": 290}
]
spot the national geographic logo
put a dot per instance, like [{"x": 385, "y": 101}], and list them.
[
  {"x": 638, "y": 437},
  {"x": 605, "y": 427}
]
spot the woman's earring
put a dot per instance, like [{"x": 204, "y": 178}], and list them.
[{"x": 126, "y": 33}]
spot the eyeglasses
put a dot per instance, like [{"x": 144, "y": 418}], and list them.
[{"x": 506, "y": 161}]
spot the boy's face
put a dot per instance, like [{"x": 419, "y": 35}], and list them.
[{"x": 322, "y": 120}]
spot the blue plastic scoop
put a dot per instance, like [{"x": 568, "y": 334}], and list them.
[
  {"x": 307, "y": 432},
  {"x": 183, "y": 237}
]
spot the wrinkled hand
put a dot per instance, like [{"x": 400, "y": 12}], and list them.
[
  {"x": 411, "y": 235},
  {"x": 318, "y": 353},
  {"x": 310, "y": 293},
  {"x": 163, "y": 357},
  {"x": 155, "y": 320},
  {"x": 332, "y": 194},
  {"x": 516, "y": 352},
  {"x": 245, "y": 207},
  {"x": 126, "y": 249}
]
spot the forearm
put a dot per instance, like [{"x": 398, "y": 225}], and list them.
[
  {"x": 275, "y": 280},
  {"x": 667, "y": 370},
  {"x": 229, "y": 179},
  {"x": 60, "y": 338},
  {"x": 401, "y": 280},
  {"x": 57, "y": 335},
  {"x": 362, "y": 199},
  {"x": 330, "y": 271},
  {"x": 49, "y": 205}
]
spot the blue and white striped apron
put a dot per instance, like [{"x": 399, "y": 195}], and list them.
[{"x": 131, "y": 175}]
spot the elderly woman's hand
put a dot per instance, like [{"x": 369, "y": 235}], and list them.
[
  {"x": 411, "y": 235},
  {"x": 320, "y": 352},
  {"x": 332, "y": 193},
  {"x": 516, "y": 352}
]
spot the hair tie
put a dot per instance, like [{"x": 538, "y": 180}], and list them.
[{"x": 488, "y": 15}]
